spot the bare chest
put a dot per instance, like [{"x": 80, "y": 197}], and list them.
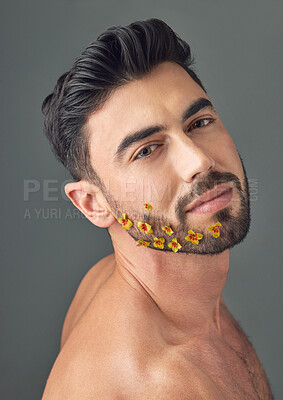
[{"x": 232, "y": 364}]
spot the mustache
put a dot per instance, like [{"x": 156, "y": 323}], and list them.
[{"x": 202, "y": 186}]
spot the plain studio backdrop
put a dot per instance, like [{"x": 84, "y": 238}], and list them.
[{"x": 46, "y": 247}]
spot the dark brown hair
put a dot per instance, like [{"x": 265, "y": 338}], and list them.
[{"x": 120, "y": 55}]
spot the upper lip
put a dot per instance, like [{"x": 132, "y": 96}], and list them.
[{"x": 211, "y": 194}]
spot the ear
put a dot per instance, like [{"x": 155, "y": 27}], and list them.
[{"x": 89, "y": 199}]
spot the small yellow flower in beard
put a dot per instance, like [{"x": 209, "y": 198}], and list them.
[
  {"x": 144, "y": 227},
  {"x": 159, "y": 243},
  {"x": 147, "y": 206},
  {"x": 214, "y": 229},
  {"x": 125, "y": 222},
  {"x": 167, "y": 229},
  {"x": 174, "y": 245},
  {"x": 143, "y": 243},
  {"x": 193, "y": 237}
]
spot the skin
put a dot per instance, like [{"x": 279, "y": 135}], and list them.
[{"x": 155, "y": 316}]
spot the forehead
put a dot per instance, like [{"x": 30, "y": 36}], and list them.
[{"x": 158, "y": 98}]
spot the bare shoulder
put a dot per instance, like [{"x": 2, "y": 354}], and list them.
[
  {"x": 164, "y": 376},
  {"x": 129, "y": 374},
  {"x": 115, "y": 352},
  {"x": 87, "y": 289}
]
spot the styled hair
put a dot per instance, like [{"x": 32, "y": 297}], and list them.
[{"x": 120, "y": 55}]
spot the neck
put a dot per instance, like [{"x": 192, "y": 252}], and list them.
[{"x": 185, "y": 288}]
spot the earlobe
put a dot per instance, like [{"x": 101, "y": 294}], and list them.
[{"x": 91, "y": 202}]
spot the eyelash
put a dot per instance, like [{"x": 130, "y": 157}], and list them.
[{"x": 191, "y": 128}]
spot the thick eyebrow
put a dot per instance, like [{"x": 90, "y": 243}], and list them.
[{"x": 143, "y": 133}]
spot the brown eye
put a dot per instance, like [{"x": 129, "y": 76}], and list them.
[
  {"x": 146, "y": 151},
  {"x": 201, "y": 123}
]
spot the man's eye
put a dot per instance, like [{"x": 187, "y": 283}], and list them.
[
  {"x": 200, "y": 123},
  {"x": 146, "y": 151}
]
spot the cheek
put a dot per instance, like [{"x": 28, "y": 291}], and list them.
[
  {"x": 226, "y": 155},
  {"x": 233, "y": 159},
  {"x": 134, "y": 191}
]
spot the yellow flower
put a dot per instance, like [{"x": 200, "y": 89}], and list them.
[
  {"x": 215, "y": 231},
  {"x": 144, "y": 227},
  {"x": 167, "y": 229},
  {"x": 147, "y": 206},
  {"x": 125, "y": 222},
  {"x": 174, "y": 245},
  {"x": 143, "y": 243},
  {"x": 193, "y": 237},
  {"x": 159, "y": 242}
]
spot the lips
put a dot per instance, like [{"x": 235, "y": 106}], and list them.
[{"x": 212, "y": 194}]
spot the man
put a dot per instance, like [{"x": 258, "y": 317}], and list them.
[{"x": 153, "y": 163}]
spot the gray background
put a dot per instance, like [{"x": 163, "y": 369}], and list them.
[{"x": 237, "y": 49}]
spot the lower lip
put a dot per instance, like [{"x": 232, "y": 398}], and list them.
[{"x": 214, "y": 205}]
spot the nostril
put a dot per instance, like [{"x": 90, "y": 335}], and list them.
[{"x": 195, "y": 176}]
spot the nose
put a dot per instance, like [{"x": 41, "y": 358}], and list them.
[{"x": 191, "y": 161}]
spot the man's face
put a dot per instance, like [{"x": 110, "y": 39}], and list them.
[{"x": 159, "y": 140}]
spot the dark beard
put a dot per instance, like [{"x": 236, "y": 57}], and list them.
[{"x": 232, "y": 232}]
